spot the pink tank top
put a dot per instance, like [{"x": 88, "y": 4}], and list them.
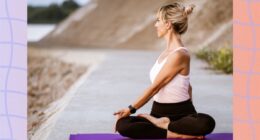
[{"x": 176, "y": 90}]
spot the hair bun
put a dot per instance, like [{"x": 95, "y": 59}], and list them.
[{"x": 188, "y": 9}]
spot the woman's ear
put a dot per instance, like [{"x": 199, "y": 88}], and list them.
[{"x": 168, "y": 25}]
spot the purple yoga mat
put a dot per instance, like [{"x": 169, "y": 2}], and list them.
[{"x": 214, "y": 136}]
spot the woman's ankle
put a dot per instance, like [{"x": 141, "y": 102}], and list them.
[
  {"x": 165, "y": 123},
  {"x": 171, "y": 134}
]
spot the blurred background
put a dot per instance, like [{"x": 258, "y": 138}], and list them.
[{"x": 78, "y": 46}]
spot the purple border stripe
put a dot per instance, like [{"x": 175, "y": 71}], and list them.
[{"x": 13, "y": 121}]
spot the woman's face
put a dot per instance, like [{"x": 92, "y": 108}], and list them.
[{"x": 160, "y": 27}]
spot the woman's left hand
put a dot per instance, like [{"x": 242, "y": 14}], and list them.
[{"x": 123, "y": 113}]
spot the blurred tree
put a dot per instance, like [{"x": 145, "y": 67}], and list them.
[
  {"x": 53, "y": 13},
  {"x": 68, "y": 6}
]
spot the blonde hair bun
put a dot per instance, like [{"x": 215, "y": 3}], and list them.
[
  {"x": 188, "y": 10},
  {"x": 177, "y": 14}
]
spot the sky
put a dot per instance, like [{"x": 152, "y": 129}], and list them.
[{"x": 48, "y": 2}]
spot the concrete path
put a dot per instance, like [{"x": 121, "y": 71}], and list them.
[{"x": 121, "y": 77}]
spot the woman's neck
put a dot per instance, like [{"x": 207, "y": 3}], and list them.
[{"x": 173, "y": 41}]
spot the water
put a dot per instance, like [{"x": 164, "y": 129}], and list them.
[{"x": 35, "y": 32}]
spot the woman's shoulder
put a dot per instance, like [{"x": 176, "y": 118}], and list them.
[
  {"x": 181, "y": 54},
  {"x": 178, "y": 58}
]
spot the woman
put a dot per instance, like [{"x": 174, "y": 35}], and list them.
[{"x": 173, "y": 114}]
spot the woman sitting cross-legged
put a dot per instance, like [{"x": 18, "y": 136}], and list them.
[{"x": 173, "y": 114}]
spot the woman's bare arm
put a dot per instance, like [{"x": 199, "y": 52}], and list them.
[{"x": 174, "y": 64}]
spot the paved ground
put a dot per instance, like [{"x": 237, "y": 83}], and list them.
[{"x": 121, "y": 78}]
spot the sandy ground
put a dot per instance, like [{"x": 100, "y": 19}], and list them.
[{"x": 53, "y": 75}]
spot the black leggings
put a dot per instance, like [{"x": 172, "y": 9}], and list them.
[{"x": 183, "y": 116}]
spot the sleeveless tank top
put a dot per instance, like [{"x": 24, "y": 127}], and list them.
[{"x": 176, "y": 90}]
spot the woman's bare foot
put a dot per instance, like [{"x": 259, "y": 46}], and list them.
[
  {"x": 162, "y": 122},
  {"x": 182, "y": 136}
]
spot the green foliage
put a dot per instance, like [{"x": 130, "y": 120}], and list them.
[
  {"x": 69, "y": 6},
  {"x": 54, "y": 13},
  {"x": 220, "y": 59}
]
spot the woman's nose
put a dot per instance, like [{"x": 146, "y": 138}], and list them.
[{"x": 155, "y": 24}]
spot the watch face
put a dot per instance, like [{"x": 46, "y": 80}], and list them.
[{"x": 132, "y": 111}]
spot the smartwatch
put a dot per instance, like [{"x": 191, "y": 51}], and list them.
[{"x": 132, "y": 109}]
